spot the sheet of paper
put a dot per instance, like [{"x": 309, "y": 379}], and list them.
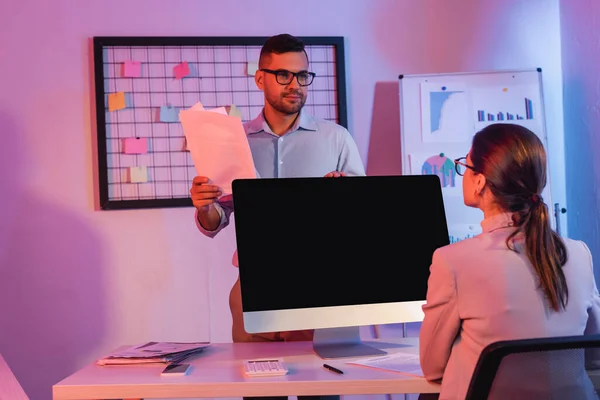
[
  {"x": 219, "y": 110},
  {"x": 197, "y": 107},
  {"x": 135, "y": 145},
  {"x": 218, "y": 146},
  {"x": 440, "y": 164},
  {"x": 405, "y": 363},
  {"x": 132, "y": 69},
  {"x": 169, "y": 114},
  {"x": 445, "y": 113},
  {"x": 138, "y": 174},
  {"x": 153, "y": 349},
  {"x": 116, "y": 101},
  {"x": 181, "y": 70},
  {"x": 153, "y": 352}
]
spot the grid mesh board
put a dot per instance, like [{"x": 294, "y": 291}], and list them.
[{"x": 136, "y": 80}]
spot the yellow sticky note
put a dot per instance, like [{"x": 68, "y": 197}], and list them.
[
  {"x": 116, "y": 101},
  {"x": 235, "y": 112},
  {"x": 138, "y": 174}
]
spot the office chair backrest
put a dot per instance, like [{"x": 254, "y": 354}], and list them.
[{"x": 540, "y": 368}]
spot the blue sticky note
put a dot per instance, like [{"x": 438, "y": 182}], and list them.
[{"x": 169, "y": 114}]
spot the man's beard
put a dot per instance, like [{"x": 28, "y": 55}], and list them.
[{"x": 284, "y": 107}]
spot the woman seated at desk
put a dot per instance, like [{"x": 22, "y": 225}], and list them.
[{"x": 518, "y": 279}]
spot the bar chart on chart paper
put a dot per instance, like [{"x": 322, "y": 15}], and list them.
[
  {"x": 489, "y": 115},
  {"x": 514, "y": 104}
]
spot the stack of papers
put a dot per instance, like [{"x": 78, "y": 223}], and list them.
[
  {"x": 218, "y": 145},
  {"x": 153, "y": 352}
]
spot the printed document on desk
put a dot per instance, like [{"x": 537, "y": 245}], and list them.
[
  {"x": 218, "y": 145},
  {"x": 405, "y": 363},
  {"x": 153, "y": 352}
]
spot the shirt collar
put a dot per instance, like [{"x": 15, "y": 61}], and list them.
[
  {"x": 259, "y": 124},
  {"x": 502, "y": 220}
]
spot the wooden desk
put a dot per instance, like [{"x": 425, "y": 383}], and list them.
[{"x": 217, "y": 372}]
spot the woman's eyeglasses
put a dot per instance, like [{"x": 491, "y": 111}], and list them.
[{"x": 462, "y": 162}]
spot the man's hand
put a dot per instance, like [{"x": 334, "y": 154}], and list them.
[
  {"x": 334, "y": 174},
  {"x": 203, "y": 193}
]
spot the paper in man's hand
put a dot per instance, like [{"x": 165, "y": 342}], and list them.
[{"x": 218, "y": 145}]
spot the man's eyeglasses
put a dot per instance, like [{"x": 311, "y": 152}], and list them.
[
  {"x": 462, "y": 162},
  {"x": 285, "y": 77}
]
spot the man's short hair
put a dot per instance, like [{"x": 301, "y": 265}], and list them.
[{"x": 279, "y": 44}]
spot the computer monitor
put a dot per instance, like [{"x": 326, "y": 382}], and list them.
[{"x": 334, "y": 254}]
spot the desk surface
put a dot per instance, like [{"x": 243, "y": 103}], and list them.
[{"x": 218, "y": 372}]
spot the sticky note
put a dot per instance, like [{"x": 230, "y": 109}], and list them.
[
  {"x": 132, "y": 69},
  {"x": 138, "y": 174},
  {"x": 116, "y": 101},
  {"x": 169, "y": 114},
  {"x": 251, "y": 68},
  {"x": 181, "y": 70},
  {"x": 135, "y": 145},
  {"x": 235, "y": 112}
]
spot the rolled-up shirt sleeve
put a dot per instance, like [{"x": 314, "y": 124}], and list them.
[{"x": 224, "y": 209}]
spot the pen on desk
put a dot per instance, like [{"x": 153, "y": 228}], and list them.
[{"x": 329, "y": 367}]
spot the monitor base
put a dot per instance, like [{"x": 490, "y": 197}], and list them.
[{"x": 331, "y": 343}]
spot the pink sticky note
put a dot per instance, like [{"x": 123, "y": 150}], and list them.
[
  {"x": 132, "y": 69},
  {"x": 181, "y": 70},
  {"x": 135, "y": 145}
]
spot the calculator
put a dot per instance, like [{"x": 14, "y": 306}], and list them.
[{"x": 270, "y": 367}]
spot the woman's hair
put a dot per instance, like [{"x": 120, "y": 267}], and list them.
[{"x": 513, "y": 160}]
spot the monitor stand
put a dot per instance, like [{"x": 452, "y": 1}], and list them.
[{"x": 341, "y": 343}]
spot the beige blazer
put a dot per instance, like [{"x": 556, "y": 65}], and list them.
[{"x": 480, "y": 292}]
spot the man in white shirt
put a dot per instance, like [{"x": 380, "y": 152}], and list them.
[{"x": 285, "y": 142}]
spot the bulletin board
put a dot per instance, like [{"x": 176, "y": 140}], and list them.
[
  {"x": 141, "y": 83},
  {"x": 440, "y": 114}
]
